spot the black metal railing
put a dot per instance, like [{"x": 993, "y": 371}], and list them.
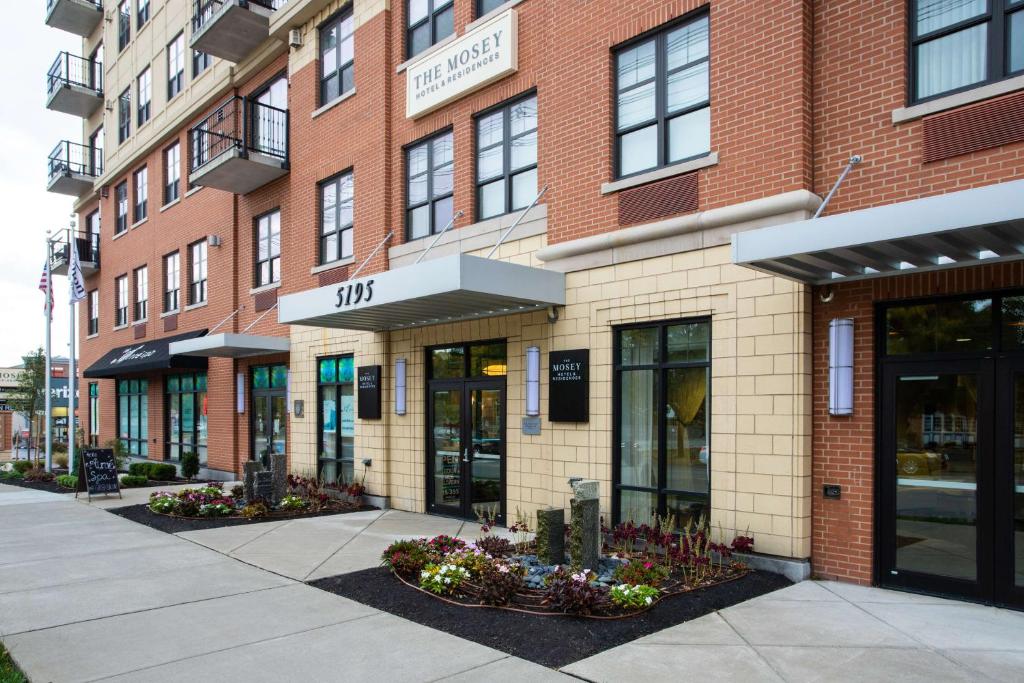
[
  {"x": 95, "y": 3},
  {"x": 70, "y": 157},
  {"x": 239, "y": 124},
  {"x": 88, "y": 245},
  {"x": 204, "y": 10},
  {"x": 69, "y": 69}
]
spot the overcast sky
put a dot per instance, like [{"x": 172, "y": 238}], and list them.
[{"x": 28, "y": 132}]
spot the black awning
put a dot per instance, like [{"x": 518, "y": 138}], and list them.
[{"x": 145, "y": 357}]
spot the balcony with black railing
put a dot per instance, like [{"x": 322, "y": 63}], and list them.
[
  {"x": 88, "y": 245},
  {"x": 74, "y": 85},
  {"x": 80, "y": 17},
  {"x": 241, "y": 146},
  {"x": 231, "y": 29},
  {"x": 72, "y": 168}
]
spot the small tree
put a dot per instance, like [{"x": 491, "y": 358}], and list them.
[
  {"x": 29, "y": 397},
  {"x": 189, "y": 465}
]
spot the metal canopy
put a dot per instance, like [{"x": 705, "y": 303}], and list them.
[
  {"x": 230, "y": 345},
  {"x": 457, "y": 287},
  {"x": 981, "y": 225}
]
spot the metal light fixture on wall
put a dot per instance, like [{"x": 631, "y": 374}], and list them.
[
  {"x": 533, "y": 381},
  {"x": 240, "y": 392},
  {"x": 400, "y": 386},
  {"x": 840, "y": 366}
]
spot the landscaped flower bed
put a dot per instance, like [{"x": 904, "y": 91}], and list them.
[
  {"x": 210, "y": 501},
  {"x": 642, "y": 566}
]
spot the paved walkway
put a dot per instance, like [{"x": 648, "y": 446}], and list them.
[{"x": 86, "y": 595}]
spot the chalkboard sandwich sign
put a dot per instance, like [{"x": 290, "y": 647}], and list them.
[{"x": 97, "y": 473}]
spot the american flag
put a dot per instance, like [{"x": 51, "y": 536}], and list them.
[{"x": 44, "y": 287}]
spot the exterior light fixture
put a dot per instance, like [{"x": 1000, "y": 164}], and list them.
[
  {"x": 840, "y": 366},
  {"x": 400, "y": 386},
  {"x": 240, "y": 392},
  {"x": 533, "y": 381}
]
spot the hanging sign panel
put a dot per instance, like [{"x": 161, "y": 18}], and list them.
[
  {"x": 569, "y": 386},
  {"x": 368, "y": 383}
]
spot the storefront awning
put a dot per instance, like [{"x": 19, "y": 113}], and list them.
[
  {"x": 145, "y": 357},
  {"x": 457, "y": 287},
  {"x": 957, "y": 229},
  {"x": 230, "y": 345}
]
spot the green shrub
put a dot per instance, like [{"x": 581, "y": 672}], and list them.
[
  {"x": 162, "y": 471},
  {"x": 189, "y": 465},
  {"x": 68, "y": 481},
  {"x": 13, "y": 474},
  {"x": 255, "y": 510},
  {"x": 139, "y": 469},
  {"x": 23, "y": 466},
  {"x": 129, "y": 481}
]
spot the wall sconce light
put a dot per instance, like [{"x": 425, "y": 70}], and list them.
[
  {"x": 532, "y": 381},
  {"x": 840, "y": 366},
  {"x": 240, "y": 392},
  {"x": 400, "y": 386}
]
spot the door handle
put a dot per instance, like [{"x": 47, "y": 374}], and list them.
[{"x": 465, "y": 455}]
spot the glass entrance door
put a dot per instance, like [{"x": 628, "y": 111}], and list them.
[
  {"x": 1009, "y": 475},
  {"x": 269, "y": 425}
]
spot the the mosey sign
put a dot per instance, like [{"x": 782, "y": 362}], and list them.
[{"x": 482, "y": 56}]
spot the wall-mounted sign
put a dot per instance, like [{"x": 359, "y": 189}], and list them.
[
  {"x": 368, "y": 383},
  {"x": 569, "y": 386},
  {"x": 480, "y": 57},
  {"x": 531, "y": 426}
]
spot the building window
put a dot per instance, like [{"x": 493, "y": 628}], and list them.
[
  {"x": 197, "y": 273},
  {"x": 200, "y": 62},
  {"x": 187, "y": 411},
  {"x": 662, "y": 421},
  {"x": 959, "y": 45},
  {"x": 336, "y": 412},
  {"x": 485, "y": 6},
  {"x": 141, "y": 194},
  {"x": 172, "y": 173},
  {"x": 172, "y": 278},
  {"x": 142, "y": 14},
  {"x": 141, "y": 277},
  {"x": 336, "y": 218},
  {"x": 337, "y": 54},
  {"x": 96, "y": 152},
  {"x": 430, "y": 21},
  {"x": 92, "y": 229},
  {"x": 506, "y": 158},
  {"x": 124, "y": 24},
  {"x": 145, "y": 90},
  {"x": 133, "y": 415},
  {"x": 96, "y": 70},
  {"x": 94, "y": 312},
  {"x": 430, "y": 182},
  {"x": 268, "y": 248},
  {"x": 94, "y": 413},
  {"x": 121, "y": 301},
  {"x": 121, "y": 197},
  {"x": 124, "y": 115},
  {"x": 662, "y": 113},
  {"x": 175, "y": 65}
]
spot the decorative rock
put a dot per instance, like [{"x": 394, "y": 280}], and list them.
[
  {"x": 250, "y": 469},
  {"x": 551, "y": 536},
  {"x": 584, "y": 533},
  {"x": 265, "y": 486},
  {"x": 279, "y": 470}
]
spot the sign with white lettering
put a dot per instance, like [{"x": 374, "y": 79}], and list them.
[
  {"x": 569, "y": 386},
  {"x": 480, "y": 57},
  {"x": 368, "y": 390},
  {"x": 97, "y": 472}
]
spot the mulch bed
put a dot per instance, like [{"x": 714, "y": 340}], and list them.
[
  {"x": 51, "y": 486},
  {"x": 551, "y": 640},
  {"x": 173, "y": 525}
]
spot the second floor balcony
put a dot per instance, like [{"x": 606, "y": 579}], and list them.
[
  {"x": 80, "y": 17},
  {"x": 241, "y": 146},
  {"x": 88, "y": 246},
  {"x": 72, "y": 168},
  {"x": 231, "y": 29},
  {"x": 74, "y": 85}
]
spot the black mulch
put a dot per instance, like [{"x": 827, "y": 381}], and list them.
[
  {"x": 552, "y": 641},
  {"x": 50, "y": 486},
  {"x": 172, "y": 525}
]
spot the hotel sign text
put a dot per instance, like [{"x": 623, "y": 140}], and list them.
[{"x": 480, "y": 57}]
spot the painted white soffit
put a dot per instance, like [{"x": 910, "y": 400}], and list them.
[{"x": 230, "y": 345}]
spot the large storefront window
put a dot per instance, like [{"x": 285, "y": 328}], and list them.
[
  {"x": 662, "y": 381},
  {"x": 337, "y": 413},
  {"x": 187, "y": 412},
  {"x": 133, "y": 415}
]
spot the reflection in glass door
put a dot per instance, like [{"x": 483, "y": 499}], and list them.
[
  {"x": 446, "y": 449},
  {"x": 269, "y": 412},
  {"x": 487, "y": 431},
  {"x": 1018, "y": 481}
]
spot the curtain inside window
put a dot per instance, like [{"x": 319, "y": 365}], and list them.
[{"x": 952, "y": 62}]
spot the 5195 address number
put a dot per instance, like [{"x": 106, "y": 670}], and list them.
[{"x": 349, "y": 295}]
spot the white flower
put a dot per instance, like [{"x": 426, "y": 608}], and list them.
[{"x": 648, "y": 600}]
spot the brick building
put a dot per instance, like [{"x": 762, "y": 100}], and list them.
[{"x": 464, "y": 250}]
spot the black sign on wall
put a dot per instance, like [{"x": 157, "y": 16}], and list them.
[
  {"x": 97, "y": 472},
  {"x": 368, "y": 382},
  {"x": 569, "y": 386}
]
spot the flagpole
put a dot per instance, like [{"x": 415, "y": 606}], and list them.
[
  {"x": 49, "y": 400},
  {"x": 72, "y": 433}
]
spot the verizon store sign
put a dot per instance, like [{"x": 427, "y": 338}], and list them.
[{"x": 480, "y": 57}]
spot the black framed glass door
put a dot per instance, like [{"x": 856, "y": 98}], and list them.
[
  {"x": 269, "y": 426},
  {"x": 1009, "y": 472}
]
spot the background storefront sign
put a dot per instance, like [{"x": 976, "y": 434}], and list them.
[
  {"x": 368, "y": 382},
  {"x": 480, "y": 57},
  {"x": 569, "y": 386}
]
